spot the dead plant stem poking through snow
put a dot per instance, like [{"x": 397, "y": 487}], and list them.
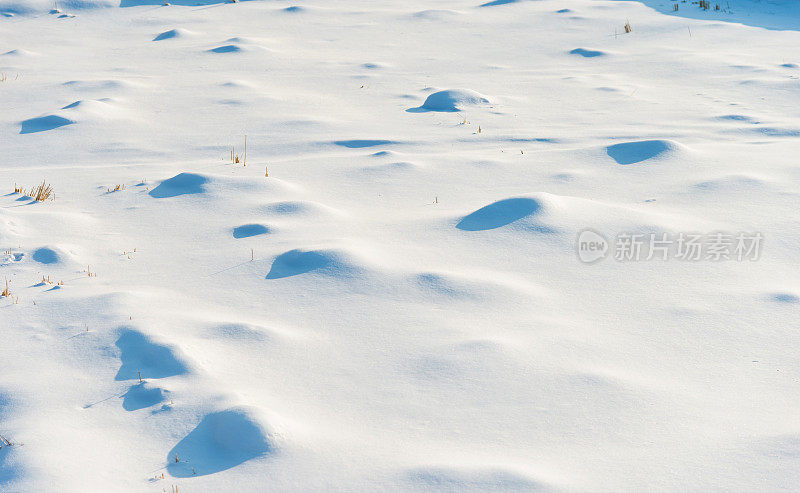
[{"x": 235, "y": 158}]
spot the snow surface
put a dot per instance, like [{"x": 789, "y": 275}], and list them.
[{"x": 399, "y": 305}]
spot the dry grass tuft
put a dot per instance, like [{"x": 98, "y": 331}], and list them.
[
  {"x": 628, "y": 26},
  {"x": 6, "y": 292},
  {"x": 39, "y": 194},
  {"x": 43, "y": 192}
]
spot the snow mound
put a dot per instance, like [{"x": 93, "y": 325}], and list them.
[
  {"x": 389, "y": 169},
  {"x": 24, "y": 7},
  {"x": 92, "y": 110},
  {"x": 299, "y": 261},
  {"x": 99, "y": 85},
  {"x": 643, "y": 150},
  {"x": 138, "y": 353},
  {"x": 732, "y": 183},
  {"x": 173, "y": 34},
  {"x": 219, "y": 186},
  {"x": 471, "y": 479},
  {"x": 221, "y": 440},
  {"x": 436, "y": 14},
  {"x": 500, "y": 213},
  {"x": 451, "y": 100},
  {"x": 141, "y": 396},
  {"x": 462, "y": 286},
  {"x": 181, "y": 184},
  {"x": 239, "y": 332},
  {"x": 20, "y": 53},
  {"x": 300, "y": 209}
]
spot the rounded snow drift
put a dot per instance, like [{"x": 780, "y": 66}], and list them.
[{"x": 450, "y": 100}]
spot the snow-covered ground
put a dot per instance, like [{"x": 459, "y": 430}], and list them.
[{"x": 400, "y": 304}]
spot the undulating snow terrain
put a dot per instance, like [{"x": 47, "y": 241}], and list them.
[{"x": 402, "y": 304}]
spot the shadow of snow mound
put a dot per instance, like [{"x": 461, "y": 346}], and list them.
[
  {"x": 182, "y": 184},
  {"x": 295, "y": 262},
  {"x": 587, "y": 53},
  {"x": 636, "y": 152},
  {"x": 227, "y": 49},
  {"x": 785, "y": 298},
  {"x": 139, "y": 354},
  {"x": 248, "y": 230},
  {"x": 46, "y": 255},
  {"x": 361, "y": 143},
  {"x": 8, "y": 472},
  {"x": 450, "y": 100},
  {"x": 43, "y": 124},
  {"x": 500, "y": 213},
  {"x": 220, "y": 441},
  {"x": 495, "y": 3},
  {"x": 140, "y": 396}
]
